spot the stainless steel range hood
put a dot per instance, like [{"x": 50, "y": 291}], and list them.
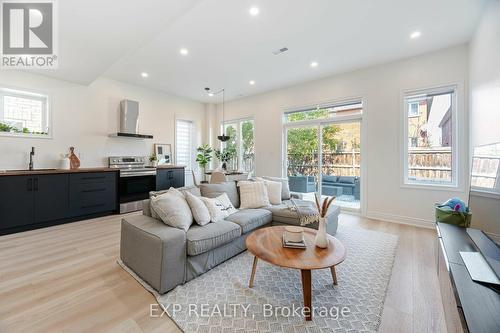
[{"x": 129, "y": 121}]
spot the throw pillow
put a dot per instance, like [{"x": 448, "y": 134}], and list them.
[
  {"x": 253, "y": 194},
  {"x": 285, "y": 188},
  {"x": 200, "y": 212},
  {"x": 219, "y": 207},
  {"x": 215, "y": 190},
  {"x": 273, "y": 191},
  {"x": 173, "y": 209},
  {"x": 154, "y": 194}
]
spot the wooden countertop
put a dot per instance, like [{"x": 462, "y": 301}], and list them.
[
  {"x": 53, "y": 171},
  {"x": 170, "y": 166}
]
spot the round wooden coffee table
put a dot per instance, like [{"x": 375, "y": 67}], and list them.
[{"x": 266, "y": 244}]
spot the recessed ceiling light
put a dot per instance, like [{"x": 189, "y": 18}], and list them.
[
  {"x": 184, "y": 51},
  {"x": 211, "y": 94},
  {"x": 415, "y": 34},
  {"x": 144, "y": 74},
  {"x": 314, "y": 64},
  {"x": 254, "y": 11},
  {"x": 251, "y": 82}
]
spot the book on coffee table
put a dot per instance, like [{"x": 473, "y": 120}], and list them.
[{"x": 294, "y": 245}]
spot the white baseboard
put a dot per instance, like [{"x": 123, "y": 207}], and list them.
[{"x": 413, "y": 221}]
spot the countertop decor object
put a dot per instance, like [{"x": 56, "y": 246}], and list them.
[
  {"x": 74, "y": 160},
  {"x": 293, "y": 234}
]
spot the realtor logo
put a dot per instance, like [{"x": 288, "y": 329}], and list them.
[{"x": 28, "y": 34}]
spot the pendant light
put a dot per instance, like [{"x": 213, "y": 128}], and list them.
[{"x": 223, "y": 137}]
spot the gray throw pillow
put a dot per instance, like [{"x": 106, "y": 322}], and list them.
[
  {"x": 200, "y": 212},
  {"x": 285, "y": 188},
  {"x": 215, "y": 190}
]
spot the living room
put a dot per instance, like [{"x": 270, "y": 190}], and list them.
[{"x": 158, "y": 164}]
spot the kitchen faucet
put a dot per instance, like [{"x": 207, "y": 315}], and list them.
[{"x": 32, "y": 153}]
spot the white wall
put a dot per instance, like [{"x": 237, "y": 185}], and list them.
[
  {"x": 485, "y": 105},
  {"x": 381, "y": 89},
  {"x": 84, "y": 116}
]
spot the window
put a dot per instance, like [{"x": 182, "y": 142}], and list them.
[
  {"x": 324, "y": 112},
  {"x": 430, "y": 153},
  {"x": 184, "y": 144},
  {"x": 322, "y": 152},
  {"x": 23, "y": 113},
  {"x": 241, "y": 134},
  {"x": 413, "y": 109},
  {"x": 486, "y": 168}
]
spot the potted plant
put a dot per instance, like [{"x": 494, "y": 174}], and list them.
[
  {"x": 225, "y": 155},
  {"x": 153, "y": 160},
  {"x": 203, "y": 157}
]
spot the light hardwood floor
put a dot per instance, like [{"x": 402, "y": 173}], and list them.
[{"x": 66, "y": 279}]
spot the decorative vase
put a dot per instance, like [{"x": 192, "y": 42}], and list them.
[
  {"x": 154, "y": 163},
  {"x": 224, "y": 166},
  {"x": 321, "y": 240},
  {"x": 74, "y": 160}
]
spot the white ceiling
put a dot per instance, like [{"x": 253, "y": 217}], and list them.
[{"x": 227, "y": 47}]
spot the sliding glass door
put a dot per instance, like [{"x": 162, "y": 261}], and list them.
[
  {"x": 341, "y": 162},
  {"x": 323, "y": 153},
  {"x": 302, "y": 159}
]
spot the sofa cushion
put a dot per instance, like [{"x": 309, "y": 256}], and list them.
[
  {"x": 274, "y": 192},
  {"x": 285, "y": 187},
  {"x": 173, "y": 209},
  {"x": 214, "y": 190},
  {"x": 250, "y": 219},
  {"x": 329, "y": 179},
  {"x": 253, "y": 194},
  {"x": 346, "y": 179},
  {"x": 219, "y": 207},
  {"x": 201, "y": 239},
  {"x": 201, "y": 214}
]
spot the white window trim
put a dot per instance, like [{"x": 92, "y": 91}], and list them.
[
  {"x": 36, "y": 95},
  {"x": 238, "y": 122},
  {"x": 454, "y": 185}
]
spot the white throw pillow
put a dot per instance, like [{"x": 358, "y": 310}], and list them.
[
  {"x": 173, "y": 209},
  {"x": 273, "y": 191},
  {"x": 285, "y": 187},
  {"x": 219, "y": 207},
  {"x": 200, "y": 211},
  {"x": 158, "y": 193},
  {"x": 253, "y": 194}
]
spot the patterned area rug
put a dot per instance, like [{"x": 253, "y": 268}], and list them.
[{"x": 220, "y": 300}]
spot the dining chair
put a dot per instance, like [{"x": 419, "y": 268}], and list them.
[
  {"x": 217, "y": 177},
  {"x": 242, "y": 176}
]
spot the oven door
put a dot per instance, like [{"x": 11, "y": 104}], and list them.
[{"x": 135, "y": 188}]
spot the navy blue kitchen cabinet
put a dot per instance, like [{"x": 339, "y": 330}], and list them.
[
  {"x": 31, "y": 201},
  {"x": 169, "y": 177}
]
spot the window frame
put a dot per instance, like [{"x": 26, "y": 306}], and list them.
[
  {"x": 455, "y": 152},
  {"x": 238, "y": 122},
  {"x": 46, "y": 100}
]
